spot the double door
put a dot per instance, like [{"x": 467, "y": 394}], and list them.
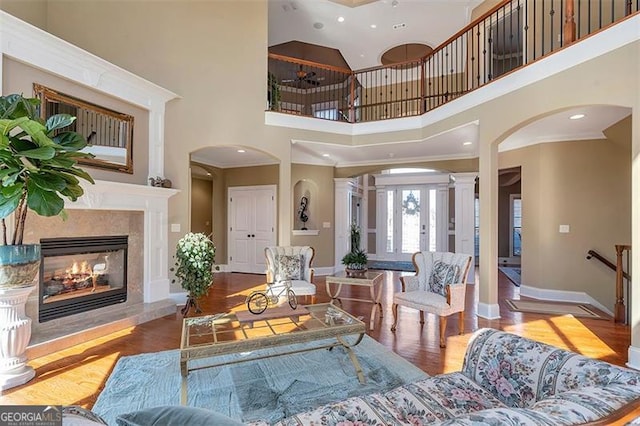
[{"x": 252, "y": 227}]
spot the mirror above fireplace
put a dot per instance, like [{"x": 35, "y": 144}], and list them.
[{"x": 109, "y": 133}]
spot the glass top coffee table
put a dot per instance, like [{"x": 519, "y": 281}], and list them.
[{"x": 229, "y": 333}]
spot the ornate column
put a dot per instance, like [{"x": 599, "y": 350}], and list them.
[
  {"x": 465, "y": 184},
  {"x": 15, "y": 333}
]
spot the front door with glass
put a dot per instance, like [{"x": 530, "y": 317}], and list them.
[{"x": 410, "y": 221}]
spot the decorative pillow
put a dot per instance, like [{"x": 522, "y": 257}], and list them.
[
  {"x": 74, "y": 415},
  {"x": 441, "y": 275},
  {"x": 174, "y": 415},
  {"x": 288, "y": 267}
]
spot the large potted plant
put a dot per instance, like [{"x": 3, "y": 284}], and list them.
[
  {"x": 195, "y": 257},
  {"x": 37, "y": 171}
]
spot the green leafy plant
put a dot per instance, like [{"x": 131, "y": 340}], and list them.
[
  {"x": 37, "y": 163},
  {"x": 356, "y": 260},
  {"x": 195, "y": 257}
]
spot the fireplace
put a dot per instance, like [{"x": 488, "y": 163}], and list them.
[{"x": 81, "y": 274}]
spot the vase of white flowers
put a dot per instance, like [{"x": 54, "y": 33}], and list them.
[{"x": 195, "y": 257}]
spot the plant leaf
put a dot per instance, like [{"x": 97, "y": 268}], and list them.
[
  {"x": 8, "y": 205},
  {"x": 51, "y": 181},
  {"x": 11, "y": 191},
  {"x": 71, "y": 141},
  {"x": 78, "y": 172},
  {"x": 44, "y": 203},
  {"x": 21, "y": 144},
  {"x": 72, "y": 192},
  {"x": 58, "y": 121},
  {"x": 6, "y": 125},
  {"x": 37, "y": 133},
  {"x": 43, "y": 153}
]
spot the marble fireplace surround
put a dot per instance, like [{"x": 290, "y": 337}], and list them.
[{"x": 141, "y": 211}]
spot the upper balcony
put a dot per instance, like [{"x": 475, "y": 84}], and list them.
[{"x": 510, "y": 36}]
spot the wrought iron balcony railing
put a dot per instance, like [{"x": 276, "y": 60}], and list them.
[{"x": 509, "y": 36}]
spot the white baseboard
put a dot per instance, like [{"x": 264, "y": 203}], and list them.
[
  {"x": 222, "y": 268},
  {"x": 327, "y": 270},
  {"x": 508, "y": 260},
  {"x": 634, "y": 358},
  {"x": 488, "y": 311},
  {"x": 562, "y": 296},
  {"x": 179, "y": 298}
]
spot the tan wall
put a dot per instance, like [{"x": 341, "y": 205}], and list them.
[
  {"x": 318, "y": 180},
  {"x": 31, "y": 11},
  {"x": 583, "y": 184},
  {"x": 201, "y": 205},
  {"x": 19, "y": 78}
]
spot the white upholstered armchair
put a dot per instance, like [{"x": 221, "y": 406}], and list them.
[
  {"x": 291, "y": 263},
  {"x": 439, "y": 287}
]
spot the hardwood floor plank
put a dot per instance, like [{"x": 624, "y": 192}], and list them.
[{"x": 77, "y": 375}]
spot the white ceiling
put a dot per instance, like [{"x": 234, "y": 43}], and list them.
[
  {"x": 430, "y": 21},
  {"x": 426, "y": 21}
]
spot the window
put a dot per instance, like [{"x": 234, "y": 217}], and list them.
[
  {"x": 328, "y": 114},
  {"x": 516, "y": 225}
]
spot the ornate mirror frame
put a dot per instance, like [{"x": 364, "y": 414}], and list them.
[{"x": 110, "y": 133}]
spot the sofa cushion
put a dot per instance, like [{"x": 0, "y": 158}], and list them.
[
  {"x": 440, "y": 398},
  {"x": 586, "y": 404},
  {"x": 502, "y": 416},
  {"x": 373, "y": 409},
  {"x": 443, "y": 274},
  {"x": 516, "y": 370}
]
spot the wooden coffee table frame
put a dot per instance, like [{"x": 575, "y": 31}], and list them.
[
  {"x": 371, "y": 280},
  {"x": 209, "y": 338}
]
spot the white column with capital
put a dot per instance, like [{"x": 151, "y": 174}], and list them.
[
  {"x": 464, "y": 186},
  {"x": 343, "y": 189}
]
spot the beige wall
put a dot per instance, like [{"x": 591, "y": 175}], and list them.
[
  {"x": 201, "y": 205},
  {"x": 318, "y": 180},
  {"x": 583, "y": 184},
  {"x": 31, "y": 11},
  {"x": 19, "y": 78}
]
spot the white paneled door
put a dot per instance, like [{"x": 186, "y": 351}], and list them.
[{"x": 252, "y": 226}]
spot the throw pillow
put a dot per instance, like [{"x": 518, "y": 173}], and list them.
[
  {"x": 74, "y": 415},
  {"x": 288, "y": 267},
  {"x": 441, "y": 275},
  {"x": 175, "y": 415}
]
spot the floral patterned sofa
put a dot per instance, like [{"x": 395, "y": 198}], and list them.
[{"x": 505, "y": 379}]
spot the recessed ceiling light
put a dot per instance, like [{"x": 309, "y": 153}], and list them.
[
  {"x": 467, "y": 143},
  {"x": 326, "y": 155},
  {"x": 340, "y": 18},
  {"x": 576, "y": 117},
  {"x": 373, "y": 26},
  {"x": 208, "y": 174},
  {"x": 362, "y": 55},
  {"x": 241, "y": 150},
  {"x": 318, "y": 25}
]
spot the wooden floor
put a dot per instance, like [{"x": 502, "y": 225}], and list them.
[{"x": 77, "y": 375}]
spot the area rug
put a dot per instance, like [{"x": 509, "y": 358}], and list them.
[
  {"x": 551, "y": 308},
  {"x": 512, "y": 273},
  {"x": 267, "y": 389},
  {"x": 391, "y": 265}
]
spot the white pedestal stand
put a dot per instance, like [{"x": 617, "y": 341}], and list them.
[{"x": 15, "y": 333}]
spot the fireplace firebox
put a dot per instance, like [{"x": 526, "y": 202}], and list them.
[{"x": 81, "y": 274}]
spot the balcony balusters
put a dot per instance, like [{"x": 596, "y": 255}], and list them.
[{"x": 511, "y": 35}]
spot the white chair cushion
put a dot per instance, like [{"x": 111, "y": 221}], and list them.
[
  {"x": 423, "y": 300},
  {"x": 299, "y": 287}
]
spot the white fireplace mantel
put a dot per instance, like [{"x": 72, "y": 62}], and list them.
[
  {"x": 31, "y": 45},
  {"x": 154, "y": 202}
]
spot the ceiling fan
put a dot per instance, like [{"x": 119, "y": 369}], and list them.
[{"x": 305, "y": 77}]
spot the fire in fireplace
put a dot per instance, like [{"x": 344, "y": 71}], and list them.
[{"x": 81, "y": 274}]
